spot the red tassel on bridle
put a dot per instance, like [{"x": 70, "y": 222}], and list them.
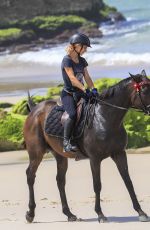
[{"x": 138, "y": 86}]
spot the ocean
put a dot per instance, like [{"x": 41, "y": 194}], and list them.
[{"x": 124, "y": 48}]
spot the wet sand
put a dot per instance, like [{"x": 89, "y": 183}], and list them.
[
  {"x": 115, "y": 203},
  {"x": 17, "y": 79}
]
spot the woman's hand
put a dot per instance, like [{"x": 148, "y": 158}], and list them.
[{"x": 94, "y": 92}]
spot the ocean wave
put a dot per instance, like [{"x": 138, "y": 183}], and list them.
[
  {"x": 122, "y": 28},
  {"x": 44, "y": 57},
  {"x": 54, "y": 57},
  {"x": 119, "y": 59}
]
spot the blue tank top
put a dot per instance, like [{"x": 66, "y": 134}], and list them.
[{"x": 78, "y": 69}]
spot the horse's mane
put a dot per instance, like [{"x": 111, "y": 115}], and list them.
[{"x": 115, "y": 89}]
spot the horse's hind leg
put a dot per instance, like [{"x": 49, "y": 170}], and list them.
[
  {"x": 35, "y": 159},
  {"x": 62, "y": 165},
  {"x": 121, "y": 161}
]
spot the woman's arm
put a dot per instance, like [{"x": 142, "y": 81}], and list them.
[
  {"x": 88, "y": 79},
  {"x": 75, "y": 82}
]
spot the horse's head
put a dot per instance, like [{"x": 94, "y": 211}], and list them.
[{"x": 140, "y": 97}]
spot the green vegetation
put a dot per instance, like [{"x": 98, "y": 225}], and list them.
[
  {"x": 9, "y": 33},
  {"x": 53, "y": 23},
  {"x": 47, "y": 26},
  {"x": 21, "y": 106},
  {"x": 106, "y": 11},
  {"x": 105, "y": 83},
  {"x": 138, "y": 128},
  {"x": 11, "y": 124},
  {"x": 54, "y": 92}
]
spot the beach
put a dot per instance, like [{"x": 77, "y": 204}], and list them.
[
  {"x": 115, "y": 200},
  {"x": 123, "y": 49}
]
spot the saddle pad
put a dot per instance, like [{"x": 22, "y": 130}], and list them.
[{"x": 53, "y": 126}]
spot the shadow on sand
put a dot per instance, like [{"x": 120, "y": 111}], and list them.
[{"x": 111, "y": 219}]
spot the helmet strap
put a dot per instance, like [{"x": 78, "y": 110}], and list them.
[{"x": 79, "y": 51}]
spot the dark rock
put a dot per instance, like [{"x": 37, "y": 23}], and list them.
[
  {"x": 91, "y": 32},
  {"x": 21, "y": 48},
  {"x": 2, "y": 49},
  {"x": 116, "y": 16},
  {"x": 26, "y": 9},
  {"x": 21, "y": 45},
  {"x": 11, "y": 12}
]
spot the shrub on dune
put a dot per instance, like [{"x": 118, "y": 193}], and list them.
[{"x": 11, "y": 126}]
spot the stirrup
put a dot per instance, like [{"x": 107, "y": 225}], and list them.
[{"x": 69, "y": 148}]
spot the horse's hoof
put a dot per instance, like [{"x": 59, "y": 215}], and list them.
[
  {"x": 144, "y": 218},
  {"x": 102, "y": 219},
  {"x": 72, "y": 218},
  {"x": 29, "y": 218}
]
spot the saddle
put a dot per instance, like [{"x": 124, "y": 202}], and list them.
[{"x": 54, "y": 124}]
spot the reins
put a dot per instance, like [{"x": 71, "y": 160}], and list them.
[
  {"x": 137, "y": 87},
  {"x": 117, "y": 107},
  {"x": 109, "y": 104}
]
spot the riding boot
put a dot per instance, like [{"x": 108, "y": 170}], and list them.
[{"x": 68, "y": 128}]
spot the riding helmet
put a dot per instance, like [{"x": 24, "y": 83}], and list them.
[{"x": 80, "y": 38}]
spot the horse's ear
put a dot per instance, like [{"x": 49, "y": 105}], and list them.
[
  {"x": 131, "y": 75},
  {"x": 143, "y": 73}
]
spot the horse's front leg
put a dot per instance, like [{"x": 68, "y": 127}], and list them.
[
  {"x": 95, "y": 167},
  {"x": 62, "y": 165},
  {"x": 121, "y": 161}
]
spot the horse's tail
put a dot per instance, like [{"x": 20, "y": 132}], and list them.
[{"x": 30, "y": 103}]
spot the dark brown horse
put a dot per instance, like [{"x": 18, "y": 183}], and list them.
[{"x": 106, "y": 138}]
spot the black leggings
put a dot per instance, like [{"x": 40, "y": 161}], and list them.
[{"x": 69, "y": 104}]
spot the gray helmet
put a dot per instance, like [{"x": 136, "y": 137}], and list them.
[{"x": 80, "y": 38}]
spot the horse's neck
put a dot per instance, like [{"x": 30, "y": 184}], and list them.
[{"x": 121, "y": 99}]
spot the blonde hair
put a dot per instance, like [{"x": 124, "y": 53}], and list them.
[{"x": 69, "y": 49}]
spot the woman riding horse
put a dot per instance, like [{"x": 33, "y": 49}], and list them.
[
  {"x": 105, "y": 138},
  {"x": 74, "y": 72}
]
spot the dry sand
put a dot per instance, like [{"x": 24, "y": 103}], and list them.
[{"x": 115, "y": 203}]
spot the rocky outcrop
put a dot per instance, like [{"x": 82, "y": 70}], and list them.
[
  {"x": 26, "y": 9},
  {"x": 70, "y": 17}
]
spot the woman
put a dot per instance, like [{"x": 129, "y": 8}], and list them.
[{"x": 74, "y": 72}]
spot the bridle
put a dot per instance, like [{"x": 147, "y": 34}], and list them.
[{"x": 138, "y": 88}]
